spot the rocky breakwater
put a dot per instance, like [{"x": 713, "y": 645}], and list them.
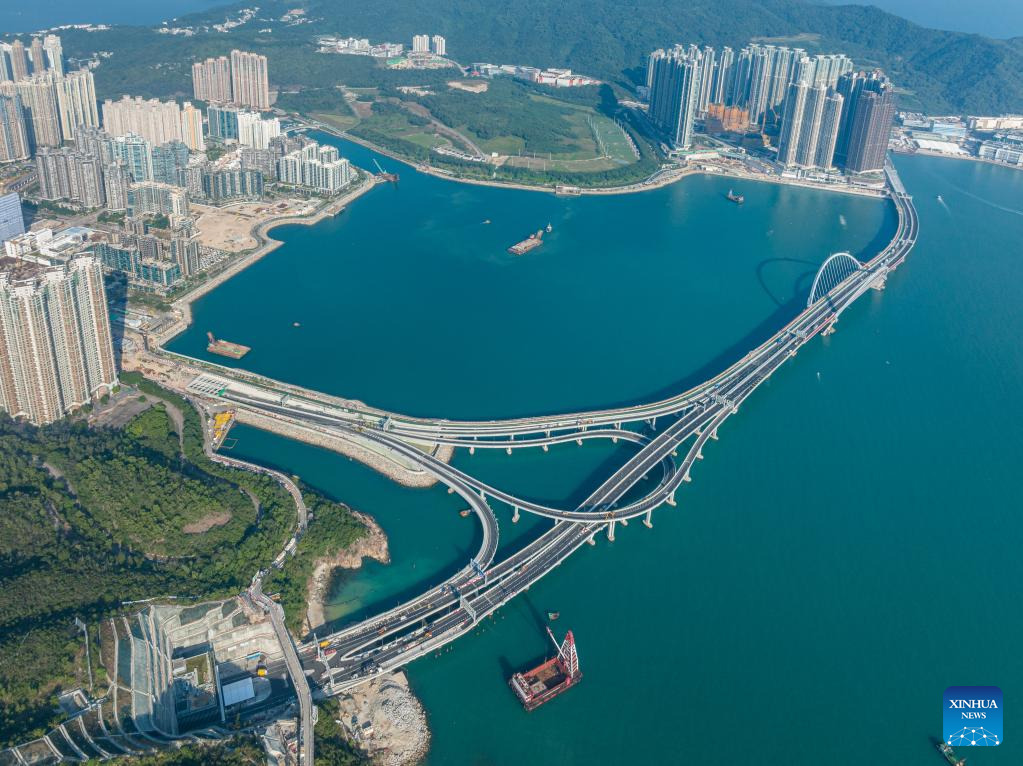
[
  {"x": 386, "y": 721},
  {"x": 371, "y": 545}
]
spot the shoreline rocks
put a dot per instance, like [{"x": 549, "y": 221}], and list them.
[
  {"x": 372, "y": 545},
  {"x": 386, "y": 721}
]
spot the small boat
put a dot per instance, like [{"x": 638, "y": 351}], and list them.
[
  {"x": 940, "y": 199},
  {"x": 552, "y": 616},
  {"x": 486, "y": 222},
  {"x": 738, "y": 199},
  {"x": 549, "y": 228},
  {"x": 295, "y": 324},
  {"x": 464, "y": 513},
  {"x": 950, "y": 755}
]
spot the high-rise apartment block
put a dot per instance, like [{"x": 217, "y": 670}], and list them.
[
  {"x": 866, "y": 121},
  {"x": 54, "y": 53},
  {"x": 76, "y": 102},
  {"x": 20, "y": 67},
  {"x": 249, "y": 80},
  {"x": 156, "y": 121},
  {"x": 809, "y": 127},
  {"x": 56, "y": 350},
  {"x": 14, "y": 143},
  {"x": 12, "y": 222},
  {"x": 39, "y": 106},
  {"x": 675, "y": 93},
  {"x": 439, "y": 45},
  {"x": 315, "y": 167},
  {"x": 211, "y": 80},
  {"x": 420, "y": 43},
  {"x": 255, "y": 131},
  {"x": 191, "y": 128}
]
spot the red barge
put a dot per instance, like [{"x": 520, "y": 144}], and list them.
[{"x": 546, "y": 681}]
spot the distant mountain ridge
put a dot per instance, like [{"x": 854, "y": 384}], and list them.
[{"x": 940, "y": 71}]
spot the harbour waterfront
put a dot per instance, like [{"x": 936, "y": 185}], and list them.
[
  {"x": 845, "y": 552},
  {"x": 409, "y": 301}
]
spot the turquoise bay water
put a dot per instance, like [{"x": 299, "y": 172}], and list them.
[
  {"x": 409, "y": 301},
  {"x": 848, "y": 549}
]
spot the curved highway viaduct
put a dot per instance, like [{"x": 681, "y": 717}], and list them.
[{"x": 421, "y": 625}]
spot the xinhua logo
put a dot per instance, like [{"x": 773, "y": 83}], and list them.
[{"x": 972, "y": 716}]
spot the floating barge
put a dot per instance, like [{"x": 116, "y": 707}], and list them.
[
  {"x": 546, "y": 681},
  {"x": 532, "y": 242},
  {"x": 226, "y": 348}
]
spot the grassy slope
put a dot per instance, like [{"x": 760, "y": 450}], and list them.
[{"x": 66, "y": 553}]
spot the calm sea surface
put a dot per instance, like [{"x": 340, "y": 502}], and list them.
[
  {"x": 849, "y": 548},
  {"x": 18, "y": 16}
]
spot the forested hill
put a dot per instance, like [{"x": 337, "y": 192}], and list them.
[{"x": 945, "y": 71}]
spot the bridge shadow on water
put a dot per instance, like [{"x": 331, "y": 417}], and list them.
[
  {"x": 785, "y": 311},
  {"x": 505, "y": 666}
]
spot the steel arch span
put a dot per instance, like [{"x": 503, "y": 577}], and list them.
[{"x": 835, "y": 270}]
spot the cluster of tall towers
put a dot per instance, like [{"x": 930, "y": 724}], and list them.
[
  {"x": 241, "y": 80},
  {"x": 821, "y": 110},
  {"x": 56, "y": 351},
  {"x": 41, "y": 104}
]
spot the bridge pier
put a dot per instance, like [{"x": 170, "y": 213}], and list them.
[
  {"x": 653, "y": 422},
  {"x": 590, "y": 539},
  {"x": 451, "y": 490},
  {"x": 611, "y": 532},
  {"x": 515, "y": 516},
  {"x": 687, "y": 477},
  {"x": 648, "y": 522},
  {"x": 508, "y": 450},
  {"x": 579, "y": 442},
  {"x": 625, "y": 522},
  {"x": 472, "y": 450},
  {"x": 699, "y": 455},
  {"x": 546, "y": 448},
  {"x": 614, "y": 439},
  {"x": 671, "y": 499},
  {"x": 714, "y": 434}
]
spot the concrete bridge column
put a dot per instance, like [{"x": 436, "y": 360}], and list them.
[
  {"x": 653, "y": 422},
  {"x": 451, "y": 490},
  {"x": 515, "y": 515},
  {"x": 579, "y": 442},
  {"x": 546, "y": 448},
  {"x": 508, "y": 450},
  {"x": 611, "y": 532},
  {"x": 472, "y": 450},
  {"x": 699, "y": 454},
  {"x": 590, "y": 539},
  {"x": 714, "y": 434},
  {"x": 671, "y": 500},
  {"x": 687, "y": 477},
  {"x": 625, "y": 522},
  {"x": 648, "y": 522}
]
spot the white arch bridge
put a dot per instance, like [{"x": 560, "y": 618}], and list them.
[{"x": 834, "y": 271}]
